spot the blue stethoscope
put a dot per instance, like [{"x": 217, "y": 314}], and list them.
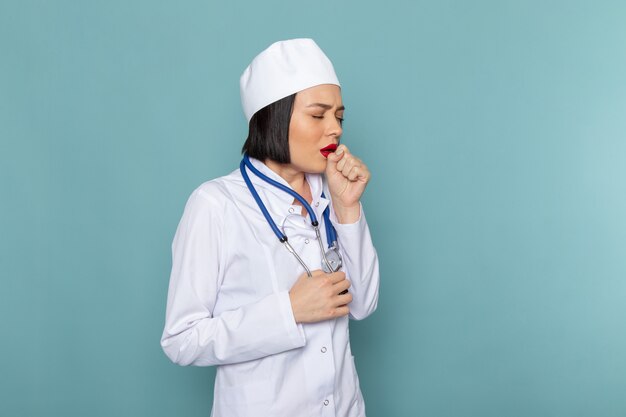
[{"x": 331, "y": 259}]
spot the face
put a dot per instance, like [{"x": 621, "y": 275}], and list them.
[{"x": 315, "y": 124}]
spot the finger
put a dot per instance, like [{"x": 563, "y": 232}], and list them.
[
  {"x": 336, "y": 277},
  {"x": 342, "y": 149},
  {"x": 344, "y": 299},
  {"x": 335, "y": 157},
  {"x": 344, "y": 161},
  {"x": 332, "y": 159},
  {"x": 341, "y": 285},
  {"x": 349, "y": 165},
  {"x": 340, "y": 311},
  {"x": 357, "y": 172},
  {"x": 354, "y": 173},
  {"x": 364, "y": 173},
  {"x": 339, "y": 153}
]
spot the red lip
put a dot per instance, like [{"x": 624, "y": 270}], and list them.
[{"x": 328, "y": 149}]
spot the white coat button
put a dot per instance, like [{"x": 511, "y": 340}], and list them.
[
  {"x": 317, "y": 204},
  {"x": 291, "y": 210},
  {"x": 306, "y": 241},
  {"x": 325, "y": 402},
  {"x": 323, "y": 349}
]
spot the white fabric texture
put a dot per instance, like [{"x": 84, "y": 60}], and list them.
[
  {"x": 284, "y": 68},
  {"x": 228, "y": 302}
]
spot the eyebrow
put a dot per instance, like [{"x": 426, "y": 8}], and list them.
[{"x": 325, "y": 106}]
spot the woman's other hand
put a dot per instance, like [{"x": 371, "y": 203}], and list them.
[
  {"x": 347, "y": 178},
  {"x": 318, "y": 298}
]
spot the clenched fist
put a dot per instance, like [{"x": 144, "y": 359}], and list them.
[
  {"x": 347, "y": 178},
  {"x": 318, "y": 298}
]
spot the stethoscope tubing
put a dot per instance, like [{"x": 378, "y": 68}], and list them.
[
  {"x": 309, "y": 209},
  {"x": 242, "y": 167},
  {"x": 330, "y": 232}
]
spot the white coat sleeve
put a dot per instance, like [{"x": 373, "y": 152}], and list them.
[
  {"x": 192, "y": 335},
  {"x": 360, "y": 263}
]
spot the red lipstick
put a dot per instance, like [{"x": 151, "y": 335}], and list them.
[{"x": 330, "y": 148}]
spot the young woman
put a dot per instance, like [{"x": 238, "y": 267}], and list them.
[{"x": 248, "y": 291}]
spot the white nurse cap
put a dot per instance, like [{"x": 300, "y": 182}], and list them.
[{"x": 284, "y": 68}]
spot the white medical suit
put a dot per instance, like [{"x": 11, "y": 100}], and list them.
[{"x": 228, "y": 302}]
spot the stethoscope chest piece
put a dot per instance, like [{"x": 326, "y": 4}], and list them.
[{"x": 334, "y": 259}]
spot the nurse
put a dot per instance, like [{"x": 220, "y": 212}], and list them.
[{"x": 240, "y": 296}]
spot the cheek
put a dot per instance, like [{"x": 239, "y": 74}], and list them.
[{"x": 302, "y": 134}]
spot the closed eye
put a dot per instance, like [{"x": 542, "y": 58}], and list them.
[{"x": 321, "y": 117}]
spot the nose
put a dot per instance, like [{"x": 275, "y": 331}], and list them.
[{"x": 335, "y": 129}]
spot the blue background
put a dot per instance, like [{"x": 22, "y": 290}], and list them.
[{"x": 496, "y": 134}]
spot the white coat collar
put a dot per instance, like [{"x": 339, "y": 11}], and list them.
[{"x": 285, "y": 200}]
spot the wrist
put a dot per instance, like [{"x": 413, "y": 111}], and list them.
[{"x": 347, "y": 214}]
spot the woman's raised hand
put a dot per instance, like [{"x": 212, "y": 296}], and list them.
[
  {"x": 318, "y": 298},
  {"x": 347, "y": 178}
]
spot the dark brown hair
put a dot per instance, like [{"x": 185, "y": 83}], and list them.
[{"x": 268, "y": 132}]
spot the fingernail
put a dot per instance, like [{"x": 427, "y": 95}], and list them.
[{"x": 339, "y": 151}]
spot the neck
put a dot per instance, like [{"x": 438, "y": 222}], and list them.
[{"x": 296, "y": 179}]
